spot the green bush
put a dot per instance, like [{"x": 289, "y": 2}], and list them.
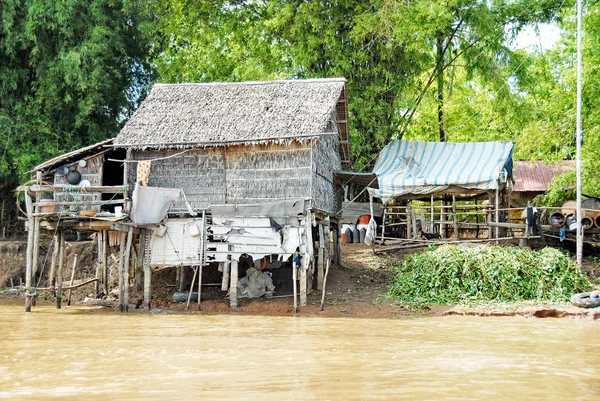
[{"x": 453, "y": 274}]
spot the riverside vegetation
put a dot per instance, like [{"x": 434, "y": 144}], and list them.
[{"x": 452, "y": 274}]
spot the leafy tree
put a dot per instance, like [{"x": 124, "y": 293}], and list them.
[{"x": 70, "y": 73}]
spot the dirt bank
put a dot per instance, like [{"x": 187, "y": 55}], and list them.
[{"x": 356, "y": 289}]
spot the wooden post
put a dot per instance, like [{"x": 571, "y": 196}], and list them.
[
  {"x": 408, "y": 222},
  {"x": 29, "y": 255},
  {"x": 140, "y": 260},
  {"x": 443, "y": 218},
  {"x": 497, "y": 213},
  {"x": 121, "y": 272},
  {"x": 178, "y": 278},
  {"x": 454, "y": 218},
  {"x": 320, "y": 258},
  {"x": 105, "y": 247},
  {"x": 59, "y": 272},
  {"x": 202, "y": 256},
  {"x": 383, "y": 225},
  {"x": 98, "y": 261},
  {"x": 36, "y": 231},
  {"x": 225, "y": 281},
  {"x": 233, "y": 301},
  {"x": 53, "y": 264},
  {"x": 310, "y": 253},
  {"x": 303, "y": 269},
  {"x": 147, "y": 286},
  {"x": 413, "y": 216},
  {"x": 294, "y": 273},
  {"x": 187, "y": 306},
  {"x": 372, "y": 218},
  {"x": 125, "y": 304},
  {"x": 432, "y": 216},
  {"x": 73, "y": 278},
  {"x": 324, "y": 286}
]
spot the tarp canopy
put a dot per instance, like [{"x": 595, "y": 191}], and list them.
[{"x": 420, "y": 168}]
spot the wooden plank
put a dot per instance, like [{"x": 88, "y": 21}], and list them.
[
  {"x": 73, "y": 188},
  {"x": 81, "y": 203},
  {"x": 274, "y": 240},
  {"x": 237, "y": 222},
  {"x": 226, "y": 230},
  {"x": 224, "y": 256}
]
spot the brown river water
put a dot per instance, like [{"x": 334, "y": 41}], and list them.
[{"x": 90, "y": 354}]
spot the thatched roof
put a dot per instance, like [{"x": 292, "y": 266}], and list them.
[
  {"x": 215, "y": 114},
  {"x": 73, "y": 156}
]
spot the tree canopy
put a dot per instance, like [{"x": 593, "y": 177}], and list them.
[{"x": 72, "y": 72}]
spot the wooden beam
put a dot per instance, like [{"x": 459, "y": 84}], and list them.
[
  {"x": 73, "y": 188},
  {"x": 121, "y": 272},
  {"x": 125, "y": 305}
]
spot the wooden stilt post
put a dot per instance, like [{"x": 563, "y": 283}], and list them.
[
  {"x": 29, "y": 255},
  {"x": 303, "y": 271},
  {"x": 125, "y": 303},
  {"x": 59, "y": 272},
  {"x": 294, "y": 276},
  {"x": 98, "y": 261},
  {"x": 321, "y": 257},
  {"x": 105, "y": 247},
  {"x": 122, "y": 272},
  {"x": 454, "y": 218},
  {"x": 140, "y": 261},
  {"x": 383, "y": 224},
  {"x": 51, "y": 276},
  {"x": 432, "y": 215},
  {"x": 36, "y": 230},
  {"x": 202, "y": 256},
  {"x": 372, "y": 218},
  {"x": 443, "y": 218},
  {"x": 233, "y": 301},
  {"x": 187, "y": 306},
  {"x": 309, "y": 265},
  {"x": 324, "y": 286},
  {"x": 497, "y": 213},
  {"x": 225, "y": 281},
  {"x": 408, "y": 222},
  {"x": 147, "y": 283},
  {"x": 73, "y": 278}
]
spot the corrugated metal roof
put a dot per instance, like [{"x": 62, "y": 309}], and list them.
[{"x": 535, "y": 176}]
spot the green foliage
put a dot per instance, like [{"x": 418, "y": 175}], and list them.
[
  {"x": 452, "y": 275},
  {"x": 70, "y": 73}
]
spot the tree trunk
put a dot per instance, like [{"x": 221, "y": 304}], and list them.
[{"x": 439, "y": 44}]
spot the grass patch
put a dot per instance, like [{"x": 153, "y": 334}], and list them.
[{"x": 451, "y": 274}]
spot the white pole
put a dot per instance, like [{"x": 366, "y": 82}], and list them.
[{"x": 578, "y": 157}]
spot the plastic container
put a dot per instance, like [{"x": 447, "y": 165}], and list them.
[
  {"x": 363, "y": 219},
  {"x": 348, "y": 236}
]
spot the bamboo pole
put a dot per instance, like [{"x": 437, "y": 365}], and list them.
[
  {"x": 71, "y": 287},
  {"x": 59, "y": 272},
  {"x": 73, "y": 279},
  {"x": 431, "y": 211}
]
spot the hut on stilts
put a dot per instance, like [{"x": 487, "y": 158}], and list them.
[{"x": 205, "y": 176}]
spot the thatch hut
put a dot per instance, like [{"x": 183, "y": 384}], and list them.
[{"x": 214, "y": 172}]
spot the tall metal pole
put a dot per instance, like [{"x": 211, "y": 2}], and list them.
[{"x": 578, "y": 157}]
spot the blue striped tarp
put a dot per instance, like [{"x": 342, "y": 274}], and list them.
[{"x": 407, "y": 167}]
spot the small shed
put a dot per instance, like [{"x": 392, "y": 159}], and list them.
[{"x": 532, "y": 178}]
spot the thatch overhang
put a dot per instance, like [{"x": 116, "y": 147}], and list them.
[
  {"x": 221, "y": 114},
  {"x": 74, "y": 156}
]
